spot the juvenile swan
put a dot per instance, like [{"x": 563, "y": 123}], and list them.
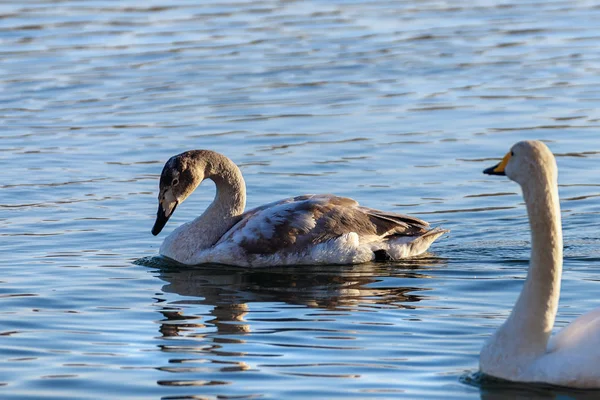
[
  {"x": 521, "y": 349},
  {"x": 309, "y": 229}
]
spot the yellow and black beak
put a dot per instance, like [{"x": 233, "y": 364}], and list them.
[{"x": 498, "y": 169}]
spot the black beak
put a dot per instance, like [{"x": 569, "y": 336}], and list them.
[
  {"x": 492, "y": 170},
  {"x": 161, "y": 219}
]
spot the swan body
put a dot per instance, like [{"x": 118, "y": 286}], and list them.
[
  {"x": 309, "y": 229},
  {"x": 521, "y": 349}
]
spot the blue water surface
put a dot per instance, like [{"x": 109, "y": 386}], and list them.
[{"x": 398, "y": 104}]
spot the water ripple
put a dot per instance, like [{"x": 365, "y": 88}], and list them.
[{"x": 400, "y": 105}]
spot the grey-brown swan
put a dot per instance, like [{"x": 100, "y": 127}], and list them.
[{"x": 308, "y": 229}]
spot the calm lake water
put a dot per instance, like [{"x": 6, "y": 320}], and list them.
[{"x": 398, "y": 104}]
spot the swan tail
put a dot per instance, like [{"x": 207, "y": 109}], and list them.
[{"x": 399, "y": 249}]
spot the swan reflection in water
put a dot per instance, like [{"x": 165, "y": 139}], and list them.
[
  {"x": 220, "y": 315},
  {"x": 230, "y": 290}
]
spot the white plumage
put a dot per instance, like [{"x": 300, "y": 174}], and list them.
[{"x": 521, "y": 349}]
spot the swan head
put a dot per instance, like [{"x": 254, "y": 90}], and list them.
[
  {"x": 526, "y": 160},
  {"x": 179, "y": 178}
]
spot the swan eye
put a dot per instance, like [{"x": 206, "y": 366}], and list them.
[
  {"x": 512, "y": 153},
  {"x": 175, "y": 182}
]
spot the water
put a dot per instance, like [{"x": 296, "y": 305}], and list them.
[{"x": 400, "y": 105}]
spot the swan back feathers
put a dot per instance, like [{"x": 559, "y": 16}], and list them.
[{"x": 304, "y": 221}]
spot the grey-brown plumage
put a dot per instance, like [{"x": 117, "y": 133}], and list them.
[
  {"x": 307, "y": 220},
  {"x": 308, "y": 229}
]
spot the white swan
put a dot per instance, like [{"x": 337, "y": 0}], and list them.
[
  {"x": 521, "y": 349},
  {"x": 309, "y": 229}
]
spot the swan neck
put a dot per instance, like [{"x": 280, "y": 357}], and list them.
[
  {"x": 230, "y": 198},
  {"x": 543, "y": 210},
  {"x": 533, "y": 316}
]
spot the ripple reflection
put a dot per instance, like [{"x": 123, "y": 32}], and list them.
[{"x": 226, "y": 319}]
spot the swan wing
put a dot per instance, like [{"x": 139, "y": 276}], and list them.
[
  {"x": 304, "y": 221},
  {"x": 572, "y": 356},
  {"x": 583, "y": 333}
]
